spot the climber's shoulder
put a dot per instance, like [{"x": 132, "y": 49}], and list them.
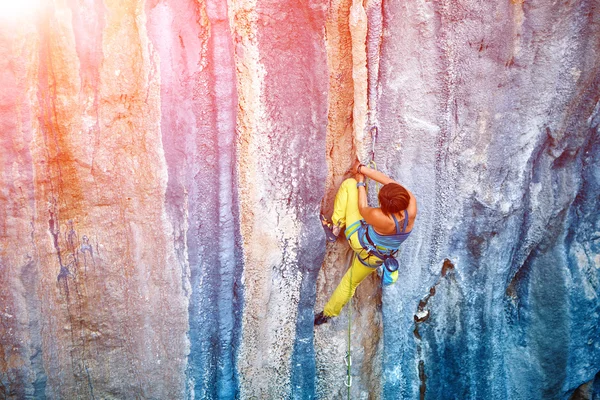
[
  {"x": 412, "y": 205},
  {"x": 374, "y": 216}
]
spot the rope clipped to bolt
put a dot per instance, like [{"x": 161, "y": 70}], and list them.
[{"x": 348, "y": 357}]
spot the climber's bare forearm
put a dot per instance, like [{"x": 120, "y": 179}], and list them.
[
  {"x": 362, "y": 199},
  {"x": 376, "y": 175},
  {"x": 382, "y": 178},
  {"x": 368, "y": 213}
]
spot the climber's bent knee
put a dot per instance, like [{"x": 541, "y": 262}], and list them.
[{"x": 346, "y": 288}]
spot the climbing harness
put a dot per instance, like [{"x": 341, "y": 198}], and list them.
[{"x": 384, "y": 247}]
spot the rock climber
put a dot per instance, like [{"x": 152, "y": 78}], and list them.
[{"x": 375, "y": 234}]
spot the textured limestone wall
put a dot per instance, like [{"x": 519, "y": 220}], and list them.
[
  {"x": 505, "y": 154},
  {"x": 85, "y": 293},
  {"x": 163, "y": 164}
]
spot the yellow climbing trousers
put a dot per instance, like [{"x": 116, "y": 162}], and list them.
[{"x": 345, "y": 213}]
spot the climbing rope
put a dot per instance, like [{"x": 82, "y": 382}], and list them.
[{"x": 348, "y": 358}]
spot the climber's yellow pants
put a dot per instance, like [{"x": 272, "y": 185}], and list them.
[{"x": 345, "y": 213}]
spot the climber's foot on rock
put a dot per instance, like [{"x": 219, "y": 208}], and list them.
[
  {"x": 331, "y": 231},
  {"x": 320, "y": 318}
]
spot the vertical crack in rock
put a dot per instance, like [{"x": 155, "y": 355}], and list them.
[
  {"x": 374, "y": 39},
  {"x": 346, "y": 43},
  {"x": 180, "y": 34},
  {"x": 225, "y": 102},
  {"x": 358, "y": 32},
  {"x": 340, "y": 98},
  {"x": 353, "y": 42},
  {"x": 199, "y": 97},
  {"x": 250, "y": 75},
  {"x": 423, "y": 314}
]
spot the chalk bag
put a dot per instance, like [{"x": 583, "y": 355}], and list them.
[{"x": 390, "y": 271}]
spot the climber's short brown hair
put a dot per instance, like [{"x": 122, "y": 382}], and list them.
[{"x": 393, "y": 198}]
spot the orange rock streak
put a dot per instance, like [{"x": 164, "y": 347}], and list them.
[{"x": 113, "y": 314}]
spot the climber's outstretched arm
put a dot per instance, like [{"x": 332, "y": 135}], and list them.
[
  {"x": 373, "y": 216},
  {"x": 376, "y": 175}
]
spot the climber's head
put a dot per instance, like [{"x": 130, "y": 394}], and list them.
[{"x": 393, "y": 198}]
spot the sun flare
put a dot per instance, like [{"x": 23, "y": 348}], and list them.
[{"x": 14, "y": 9}]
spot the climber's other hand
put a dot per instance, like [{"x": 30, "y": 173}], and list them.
[{"x": 355, "y": 166}]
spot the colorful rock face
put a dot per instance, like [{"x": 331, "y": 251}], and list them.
[{"x": 163, "y": 165}]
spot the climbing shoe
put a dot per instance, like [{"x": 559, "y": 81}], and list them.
[
  {"x": 331, "y": 231},
  {"x": 320, "y": 318}
]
